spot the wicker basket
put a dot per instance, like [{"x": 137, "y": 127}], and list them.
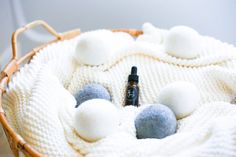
[{"x": 16, "y": 142}]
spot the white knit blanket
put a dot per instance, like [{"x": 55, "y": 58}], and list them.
[{"x": 39, "y": 102}]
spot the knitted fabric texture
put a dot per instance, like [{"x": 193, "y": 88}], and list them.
[{"x": 39, "y": 101}]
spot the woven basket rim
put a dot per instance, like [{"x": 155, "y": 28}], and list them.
[{"x": 16, "y": 142}]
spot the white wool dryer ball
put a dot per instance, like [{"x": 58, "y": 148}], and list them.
[
  {"x": 183, "y": 42},
  {"x": 95, "y": 119},
  {"x": 182, "y": 97},
  {"x": 94, "y": 48}
]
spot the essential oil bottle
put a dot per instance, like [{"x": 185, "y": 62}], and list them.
[{"x": 132, "y": 91}]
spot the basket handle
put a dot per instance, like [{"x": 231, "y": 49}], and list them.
[
  {"x": 14, "y": 63},
  {"x": 27, "y": 27}
]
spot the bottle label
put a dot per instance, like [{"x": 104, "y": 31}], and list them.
[{"x": 132, "y": 93}]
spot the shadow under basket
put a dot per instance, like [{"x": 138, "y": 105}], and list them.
[{"x": 17, "y": 144}]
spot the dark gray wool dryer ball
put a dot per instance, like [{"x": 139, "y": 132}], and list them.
[
  {"x": 155, "y": 121},
  {"x": 92, "y": 91}
]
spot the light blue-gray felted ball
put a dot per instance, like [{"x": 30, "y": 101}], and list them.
[
  {"x": 155, "y": 121},
  {"x": 91, "y": 91}
]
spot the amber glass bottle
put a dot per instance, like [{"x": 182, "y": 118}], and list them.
[{"x": 132, "y": 90}]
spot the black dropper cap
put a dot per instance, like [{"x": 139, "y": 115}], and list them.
[{"x": 133, "y": 76}]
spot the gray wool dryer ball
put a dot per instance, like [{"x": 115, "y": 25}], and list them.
[
  {"x": 92, "y": 91},
  {"x": 155, "y": 121}
]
